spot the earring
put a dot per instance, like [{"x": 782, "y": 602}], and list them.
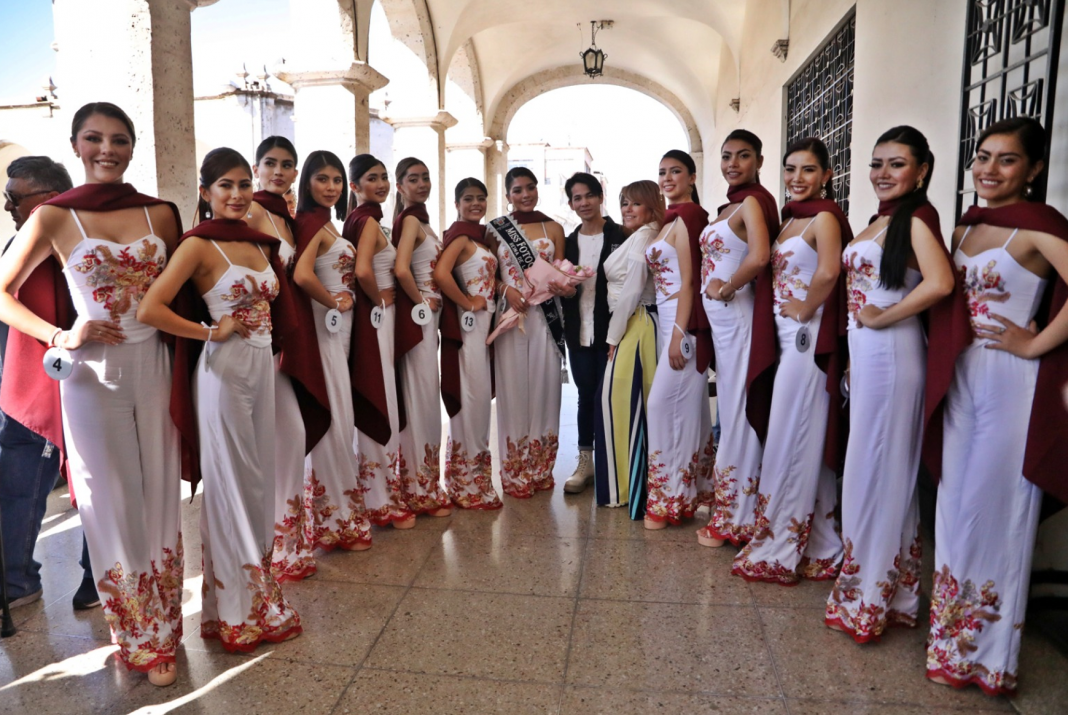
[
  {"x": 1029, "y": 191},
  {"x": 207, "y": 214},
  {"x": 789, "y": 196},
  {"x": 249, "y": 214},
  {"x": 919, "y": 184},
  {"x": 823, "y": 191}
]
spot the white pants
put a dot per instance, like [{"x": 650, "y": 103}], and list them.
[
  {"x": 985, "y": 523},
  {"x": 468, "y": 463},
  {"x": 879, "y": 585},
  {"x": 292, "y": 559},
  {"x": 419, "y": 468},
  {"x": 125, "y": 468},
  {"x": 243, "y": 603}
]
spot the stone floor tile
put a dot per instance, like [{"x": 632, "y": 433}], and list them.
[
  {"x": 518, "y": 564},
  {"x": 806, "y": 594},
  {"x": 394, "y": 559},
  {"x": 679, "y": 647},
  {"x": 601, "y": 701},
  {"x": 224, "y": 684},
  {"x": 544, "y": 514},
  {"x": 1043, "y": 674},
  {"x": 44, "y": 673},
  {"x": 341, "y": 622},
  {"x": 387, "y": 691},
  {"x": 615, "y": 523},
  {"x": 672, "y": 571},
  {"x": 858, "y": 707},
  {"x": 477, "y": 634},
  {"x": 815, "y": 662}
]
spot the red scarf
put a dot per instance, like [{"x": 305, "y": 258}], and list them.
[
  {"x": 525, "y": 217},
  {"x": 763, "y": 352},
  {"x": 452, "y": 335},
  {"x": 276, "y": 204},
  {"x": 831, "y": 351},
  {"x": 407, "y": 334},
  {"x": 695, "y": 218},
  {"x": 302, "y": 364},
  {"x": 949, "y": 332},
  {"x": 1047, "y": 436},
  {"x": 29, "y": 396},
  {"x": 368, "y": 379}
]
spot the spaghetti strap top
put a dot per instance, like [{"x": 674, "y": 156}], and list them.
[
  {"x": 663, "y": 262},
  {"x": 864, "y": 286},
  {"x": 477, "y": 272},
  {"x": 336, "y": 268},
  {"x": 107, "y": 279},
  {"x": 722, "y": 251},
  {"x": 286, "y": 253},
  {"x": 424, "y": 259},
  {"x": 384, "y": 264},
  {"x": 995, "y": 283},
  {"x": 246, "y": 295},
  {"x": 793, "y": 263}
]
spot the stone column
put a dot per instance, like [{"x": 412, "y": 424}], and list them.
[
  {"x": 463, "y": 159},
  {"x": 143, "y": 63},
  {"x": 330, "y": 108},
  {"x": 424, "y": 138},
  {"x": 496, "y": 168}
]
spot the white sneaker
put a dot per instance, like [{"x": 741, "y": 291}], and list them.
[{"x": 577, "y": 482}]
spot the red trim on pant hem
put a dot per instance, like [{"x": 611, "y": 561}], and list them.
[
  {"x": 713, "y": 534},
  {"x": 304, "y": 573},
  {"x": 769, "y": 579},
  {"x": 145, "y": 667},
  {"x": 346, "y": 545},
  {"x": 851, "y": 632},
  {"x": 960, "y": 683},
  {"x": 390, "y": 519},
  {"x": 480, "y": 506},
  {"x": 249, "y": 647}
]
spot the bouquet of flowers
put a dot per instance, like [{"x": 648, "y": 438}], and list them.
[{"x": 540, "y": 281}]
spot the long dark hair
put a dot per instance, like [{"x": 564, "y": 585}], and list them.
[
  {"x": 360, "y": 165},
  {"x": 464, "y": 185},
  {"x": 686, "y": 160},
  {"x": 897, "y": 246},
  {"x": 217, "y": 163},
  {"x": 514, "y": 173},
  {"x": 275, "y": 142},
  {"x": 312, "y": 165},
  {"x": 108, "y": 110},
  {"x": 818, "y": 149},
  {"x": 744, "y": 135},
  {"x": 403, "y": 167},
  {"x": 1032, "y": 137}
]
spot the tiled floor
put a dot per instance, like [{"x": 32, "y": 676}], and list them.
[{"x": 548, "y": 606}]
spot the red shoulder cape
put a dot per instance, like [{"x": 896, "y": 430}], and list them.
[
  {"x": 763, "y": 353},
  {"x": 452, "y": 335},
  {"x": 29, "y": 396},
  {"x": 831, "y": 351},
  {"x": 695, "y": 219},
  {"x": 276, "y": 205},
  {"x": 1047, "y": 435},
  {"x": 368, "y": 379}
]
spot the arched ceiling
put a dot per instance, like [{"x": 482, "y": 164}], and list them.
[{"x": 675, "y": 45}]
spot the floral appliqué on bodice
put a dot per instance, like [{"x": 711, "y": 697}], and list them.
[
  {"x": 712, "y": 249},
  {"x": 119, "y": 282},
  {"x": 785, "y": 277},
  {"x": 660, "y": 267},
  {"x": 982, "y": 288},
  {"x": 859, "y": 280},
  {"x": 543, "y": 246},
  {"x": 345, "y": 265},
  {"x": 252, "y": 302},
  {"x": 482, "y": 282}
]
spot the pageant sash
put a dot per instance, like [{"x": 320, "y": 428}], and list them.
[{"x": 525, "y": 255}]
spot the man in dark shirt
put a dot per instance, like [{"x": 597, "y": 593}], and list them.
[
  {"x": 586, "y": 314},
  {"x": 29, "y": 464}
]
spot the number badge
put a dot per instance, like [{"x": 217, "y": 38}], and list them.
[
  {"x": 686, "y": 346},
  {"x": 378, "y": 314},
  {"x": 333, "y": 320},
  {"x": 803, "y": 339},
  {"x": 467, "y": 321},
  {"x": 57, "y": 363},
  {"x": 421, "y": 314}
]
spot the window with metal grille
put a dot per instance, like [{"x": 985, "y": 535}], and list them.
[
  {"x": 819, "y": 103},
  {"x": 1010, "y": 70}
]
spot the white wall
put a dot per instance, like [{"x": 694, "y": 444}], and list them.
[{"x": 908, "y": 70}]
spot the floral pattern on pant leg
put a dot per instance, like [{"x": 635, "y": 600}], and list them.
[
  {"x": 270, "y": 617},
  {"x": 292, "y": 560},
  {"x": 469, "y": 480}
]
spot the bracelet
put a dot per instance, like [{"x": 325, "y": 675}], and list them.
[
  {"x": 730, "y": 282},
  {"x": 210, "y": 328},
  {"x": 52, "y": 340},
  {"x": 683, "y": 332}
]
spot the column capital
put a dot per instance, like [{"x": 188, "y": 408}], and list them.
[
  {"x": 482, "y": 146},
  {"x": 439, "y": 122},
  {"x": 359, "y": 78}
]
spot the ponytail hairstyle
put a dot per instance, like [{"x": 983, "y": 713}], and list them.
[
  {"x": 897, "y": 246},
  {"x": 360, "y": 165},
  {"x": 686, "y": 160},
  {"x": 312, "y": 165},
  {"x": 818, "y": 149},
  {"x": 403, "y": 167},
  {"x": 217, "y": 163},
  {"x": 1032, "y": 138},
  {"x": 275, "y": 142},
  {"x": 747, "y": 137},
  {"x": 106, "y": 109}
]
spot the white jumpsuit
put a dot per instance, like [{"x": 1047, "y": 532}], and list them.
[{"x": 123, "y": 450}]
